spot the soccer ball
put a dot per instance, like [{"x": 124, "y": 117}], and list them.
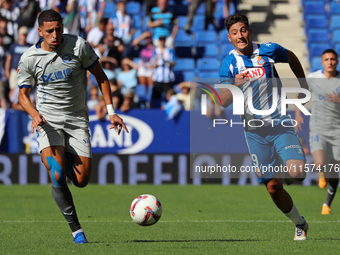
[{"x": 145, "y": 210}]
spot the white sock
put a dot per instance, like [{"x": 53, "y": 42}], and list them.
[
  {"x": 78, "y": 231},
  {"x": 295, "y": 216}
]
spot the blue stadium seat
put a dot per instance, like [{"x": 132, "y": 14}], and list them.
[
  {"x": 133, "y": 8},
  {"x": 314, "y": 7},
  {"x": 334, "y": 8},
  {"x": 138, "y": 22},
  {"x": 208, "y": 50},
  {"x": 145, "y": 23},
  {"x": 316, "y": 21},
  {"x": 183, "y": 39},
  {"x": 201, "y": 9},
  {"x": 198, "y": 23},
  {"x": 224, "y": 37},
  {"x": 208, "y": 64},
  {"x": 316, "y": 49},
  {"x": 182, "y": 21},
  {"x": 184, "y": 64},
  {"x": 205, "y": 37},
  {"x": 337, "y": 49},
  {"x": 183, "y": 52},
  {"x": 225, "y": 49},
  {"x": 336, "y": 36},
  {"x": 136, "y": 34},
  {"x": 219, "y": 10},
  {"x": 315, "y": 64},
  {"x": 110, "y": 8},
  {"x": 334, "y": 22},
  {"x": 208, "y": 75},
  {"x": 188, "y": 75},
  {"x": 317, "y": 35}
]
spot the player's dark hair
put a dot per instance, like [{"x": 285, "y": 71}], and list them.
[
  {"x": 233, "y": 19},
  {"x": 48, "y": 16},
  {"x": 330, "y": 51}
]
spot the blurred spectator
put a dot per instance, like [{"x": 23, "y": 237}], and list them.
[
  {"x": 129, "y": 103},
  {"x": 127, "y": 78},
  {"x": 163, "y": 76},
  {"x": 96, "y": 33},
  {"x": 11, "y": 11},
  {"x": 164, "y": 23},
  {"x": 93, "y": 100},
  {"x": 173, "y": 107},
  {"x": 96, "y": 11},
  {"x": 209, "y": 13},
  {"x": 3, "y": 101},
  {"x": 100, "y": 109},
  {"x": 109, "y": 45},
  {"x": 184, "y": 96},
  {"x": 117, "y": 97},
  {"x": 7, "y": 39},
  {"x": 13, "y": 57},
  {"x": 13, "y": 98},
  {"x": 123, "y": 24},
  {"x": 145, "y": 65},
  {"x": 149, "y": 4},
  {"x": 83, "y": 15},
  {"x": 29, "y": 13}
]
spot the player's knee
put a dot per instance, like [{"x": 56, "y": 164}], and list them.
[
  {"x": 274, "y": 188},
  {"x": 57, "y": 173}
]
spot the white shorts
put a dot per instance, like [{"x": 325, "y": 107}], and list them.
[
  {"x": 68, "y": 130},
  {"x": 143, "y": 71},
  {"x": 330, "y": 144}
]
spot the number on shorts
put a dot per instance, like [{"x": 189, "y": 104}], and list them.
[
  {"x": 254, "y": 159},
  {"x": 315, "y": 138}
]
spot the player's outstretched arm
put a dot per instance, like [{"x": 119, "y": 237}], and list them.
[
  {"x": 24, "y": 101},
  {"x": 103, "y": 83},
  {"x": 226, "y": 95}
]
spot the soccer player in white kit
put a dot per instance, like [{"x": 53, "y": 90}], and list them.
[
  {"x": 324, "y": 124},
  {"x": 58, "y": 64}
]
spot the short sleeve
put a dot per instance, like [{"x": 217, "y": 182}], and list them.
[
  {"x": 275, "y": 51},
  {"x": 88, "y": 57},
  {"x": 24, "y": 77}
]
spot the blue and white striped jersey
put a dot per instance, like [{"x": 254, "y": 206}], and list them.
[
  {"x": 163, "y": 71},
  {"x": 263, "y": 78}
]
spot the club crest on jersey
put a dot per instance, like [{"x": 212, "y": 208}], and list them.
[
  {"x": 66, "y": 58},
  {"x": 260, "y": 61},
  {"x": 255, "y": 73}
]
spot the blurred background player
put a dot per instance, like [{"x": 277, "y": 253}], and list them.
[
  {"x": 324, "y": 124},
  {"x": 264, "y": 141},
  {"x": 61, "y": 116}
]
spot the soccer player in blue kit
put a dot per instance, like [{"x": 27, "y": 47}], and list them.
[{"x": 272, "y": 143}]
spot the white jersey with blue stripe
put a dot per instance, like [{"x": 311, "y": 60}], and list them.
[
  {"x": 260, "y": 65},
  {"x": 60, "y": 76}
]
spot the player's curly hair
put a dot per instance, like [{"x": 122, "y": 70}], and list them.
[
  {"x": 48, "y": 16},
  {"x": 237, "y": 17}
]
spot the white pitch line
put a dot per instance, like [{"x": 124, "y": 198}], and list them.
[{"x": 176, "y": 221}]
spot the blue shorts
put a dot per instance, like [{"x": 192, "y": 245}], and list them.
[{"x": 273, "y": 146}]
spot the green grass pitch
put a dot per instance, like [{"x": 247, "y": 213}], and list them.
[{"x": 207, "y": 219}]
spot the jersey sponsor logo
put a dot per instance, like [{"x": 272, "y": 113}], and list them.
[
  {"x": 59, "y": 75},
  {"x": 66, "y": 58},
  {"x": 255, "y": 73},
  {"x": 293, "y": 146},
  {"x": 260, "y": 61}
]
